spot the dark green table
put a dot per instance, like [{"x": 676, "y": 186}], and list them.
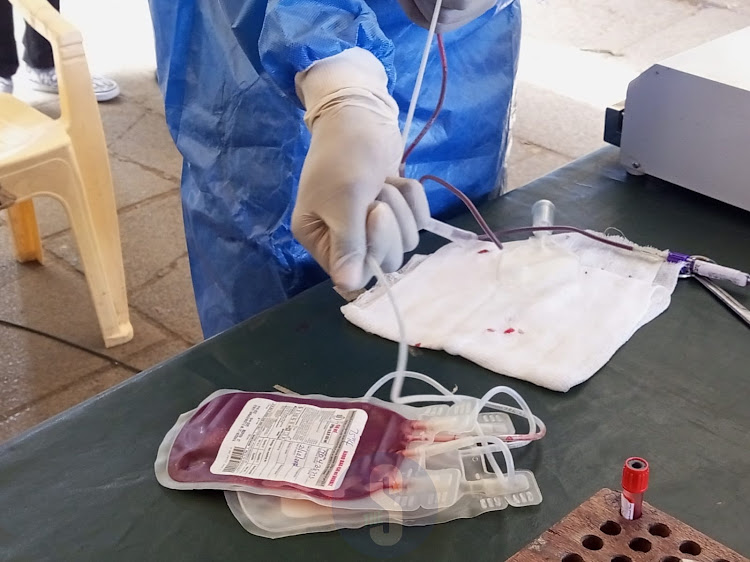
[{"x": 81, "y": 486}]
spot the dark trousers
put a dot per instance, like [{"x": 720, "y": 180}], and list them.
[{"x": 37, "y": 50}]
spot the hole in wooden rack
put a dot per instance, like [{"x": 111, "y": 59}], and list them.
[
  {"x": 639, "y": 544},
  {"x": 690, "y": 547},
  {"x": 610, "y": 528},
  {"x": 592, "y": 542},
  {"x": 671, "y": 559},
  {"x": 572, "y": 558},
  {"x": 622, "y": 558},
  {"x": 659, "y": 530}
]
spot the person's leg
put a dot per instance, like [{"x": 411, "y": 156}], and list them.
[
  {"x": 8, "y": 53},
  {"x": 38, "y": 51},
  {"x": 41, "y": 65}
]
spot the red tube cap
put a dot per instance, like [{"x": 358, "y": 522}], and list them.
[{"x": 635, "y": 475}]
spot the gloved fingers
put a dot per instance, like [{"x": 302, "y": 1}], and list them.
[
  {"x": 313, "y": 234},
  {"x": 384, "y": 242},
  {"x": 453, "y": 13},
  {"x": 347, "y": 258},
  {"x": 460, "y": 5},
  {"x": 413, "y": 193},
  {"x": 463, "y": 6},
  {"x": 339, "y": 251},
  {"x": 407, "y": 223},
  {"x": 413, "y": 12}
]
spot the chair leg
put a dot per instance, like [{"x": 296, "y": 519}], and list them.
[
  {"x": 93, "y": 217},
  {"x": 25, "y": 232}
]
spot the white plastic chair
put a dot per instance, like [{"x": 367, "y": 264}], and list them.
[{"x": 67, "y": 159}]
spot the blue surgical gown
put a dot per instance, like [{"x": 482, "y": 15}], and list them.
[{"x": 226, "y": 70}]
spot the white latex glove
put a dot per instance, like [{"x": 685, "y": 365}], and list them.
[
  {"x": 453, "y": 13},
  {"x": 350, "y": 202}
]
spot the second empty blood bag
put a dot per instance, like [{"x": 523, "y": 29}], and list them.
[{"x": 275, "y": 517}]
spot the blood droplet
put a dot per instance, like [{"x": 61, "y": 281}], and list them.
[
  {"x": 417, "y": 345},
  {"x": 509, "y": 331},
  {"x": 483, "y": 252}
]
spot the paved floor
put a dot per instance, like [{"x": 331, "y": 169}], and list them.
[{"x": 577, "y": 58}]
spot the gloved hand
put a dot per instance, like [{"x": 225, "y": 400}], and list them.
[
  {"x": 350, "y": 202},
  {"x": 453, "y": 13}
]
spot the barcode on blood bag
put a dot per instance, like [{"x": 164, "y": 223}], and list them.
[{"x": 235, "y": 458}]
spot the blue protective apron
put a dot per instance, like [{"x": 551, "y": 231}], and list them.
[{"x": 227, "y": 69}]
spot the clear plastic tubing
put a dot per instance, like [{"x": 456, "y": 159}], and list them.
[
  {"x": 449, "y": 232},
  {"x": 420, "y": 73},
  {"x": 543, "y": 214}
]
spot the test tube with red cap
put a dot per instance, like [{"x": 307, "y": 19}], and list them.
[{"x": 634, "y": 484}]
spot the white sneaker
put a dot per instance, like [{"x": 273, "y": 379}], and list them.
[
  {"x": 46, "y": 81},
  {"x": 6, "y": 86}
]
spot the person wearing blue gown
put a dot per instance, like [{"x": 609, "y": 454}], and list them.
[{"x": 288, "y": 115}]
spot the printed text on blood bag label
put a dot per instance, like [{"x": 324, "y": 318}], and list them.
[{"x": 289, "y": 442}]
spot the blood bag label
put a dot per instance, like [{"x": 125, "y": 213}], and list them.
[{"x": 289, "y": 442}]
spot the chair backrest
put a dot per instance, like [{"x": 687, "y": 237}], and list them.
[
  {"x": 79, "y": 109},
  {"x": 73, "y": 77}
]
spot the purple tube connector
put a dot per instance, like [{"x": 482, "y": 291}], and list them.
[{"x": 677, "y": 257}]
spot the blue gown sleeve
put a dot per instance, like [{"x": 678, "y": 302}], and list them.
[{"x": 284, "y": 37}]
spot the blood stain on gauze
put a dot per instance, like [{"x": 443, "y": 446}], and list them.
[{"x": 198, "y": 442}]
